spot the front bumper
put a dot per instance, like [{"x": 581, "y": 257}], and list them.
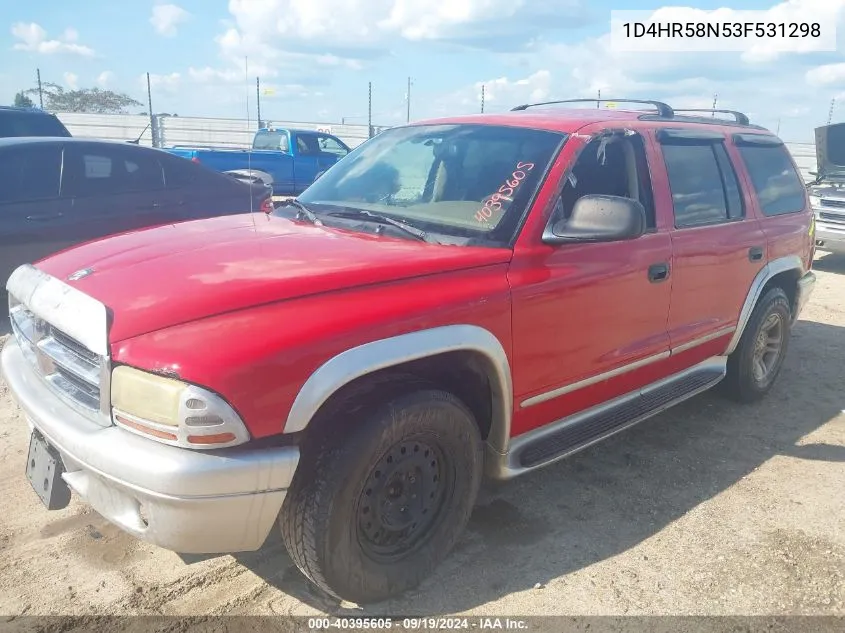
[
  {"x": 192, "y": 502},
  {"x": 830, "y": 237}
]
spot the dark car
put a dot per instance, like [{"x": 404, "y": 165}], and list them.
[
  {"x": 29, "y": 122},
  {"x": 57, "y": 192}
]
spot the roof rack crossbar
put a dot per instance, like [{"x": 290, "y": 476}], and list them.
[
  {"x": 741, "y": 118},
  {"x": 663, "y": 109}
]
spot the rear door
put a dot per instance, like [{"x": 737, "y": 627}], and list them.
[
  {"x": 113, "y": 189},
  {"x": 33, "y": 218},
  {"x": 780, "y": 195},
  {"x": 717, "y": 242}
]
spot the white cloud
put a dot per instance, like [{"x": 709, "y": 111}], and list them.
[
  {"x": 167, "y": 17},
  {"x": 826, "y": 75},
  {"x": 33, "y": 38},
  {"x": 166, "y": 83},
  {"x": 105, "y": 78},
  {"x": 71, "y": 81}
]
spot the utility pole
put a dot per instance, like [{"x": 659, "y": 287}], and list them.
[
  {"x": 150, "y": 104},
  {"x": 370, "y": 109},
  {"x": 40, "y": 94},
  {"x": 598, "y": 100},
  {"x": 258, "y": 99},
  {"x": 408, "y": 96},
  {"x": 830, "y": 113},
  {"x": 482, "y": 98},
  {"x": 715, "y": 99}
]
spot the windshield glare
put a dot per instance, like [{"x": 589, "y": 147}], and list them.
[{"x": 466, "y": 180}]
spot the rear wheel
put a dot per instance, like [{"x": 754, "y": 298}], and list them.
[
  {"x": 756, "y": 363},
  {"x": 374, "y": 509}
]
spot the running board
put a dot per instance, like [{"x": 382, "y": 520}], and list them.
[{"x": 575, "y": 433}]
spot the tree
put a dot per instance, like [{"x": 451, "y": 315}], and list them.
[
  {"x": 22, "y": 101},
  {"x": 91, "y": 100}
]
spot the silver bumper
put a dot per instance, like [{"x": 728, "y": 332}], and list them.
[
  {"x": 193, "y": 502},
  {"x": 830, "y": 237}
]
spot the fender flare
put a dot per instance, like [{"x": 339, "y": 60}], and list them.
[
  {"x": 769, "y": 271},
  {"x": 390, "y": 352}
]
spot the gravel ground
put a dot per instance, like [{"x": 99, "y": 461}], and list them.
[{"x": 710, "y": 508}]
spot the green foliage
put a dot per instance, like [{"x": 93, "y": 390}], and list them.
[
  {"x": 22, "y": 101},
  {"x": 91, "y": 100}
]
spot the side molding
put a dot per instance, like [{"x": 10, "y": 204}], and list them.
[
  {"x": 775, "y": 267},
  {"x": 370, "y": 357}
]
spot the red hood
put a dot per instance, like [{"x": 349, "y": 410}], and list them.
[{"x": 172, "y": 274}]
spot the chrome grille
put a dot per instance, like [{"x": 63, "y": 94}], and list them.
[
  {"x": 832, "y": 217},
  {"x": 832, "y": 202},
  {"x": 75, "y": 373}
]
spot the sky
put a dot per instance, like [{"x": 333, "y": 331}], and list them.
[{"x": 316, "y": 57}]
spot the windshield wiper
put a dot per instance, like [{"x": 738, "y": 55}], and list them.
[
  {"x": 383, "y": 219},
  {"x": 302, "y": 210}
]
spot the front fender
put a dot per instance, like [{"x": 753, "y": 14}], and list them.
[{"x": 397, "y": 350}]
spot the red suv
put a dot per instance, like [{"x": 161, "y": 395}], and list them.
[{"x": 467, "y": 295}]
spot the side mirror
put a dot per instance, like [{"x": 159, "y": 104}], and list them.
[{"x": 597, "y": 218}]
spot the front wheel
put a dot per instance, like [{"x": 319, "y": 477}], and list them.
[
  {"x": 378, "y": 503},
  {"x": 756, "y": 363}
]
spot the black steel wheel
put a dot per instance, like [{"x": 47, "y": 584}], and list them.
[{"x": 377, "y": 503}]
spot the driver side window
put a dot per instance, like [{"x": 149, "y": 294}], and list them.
[{"x": 610, "y": 165}]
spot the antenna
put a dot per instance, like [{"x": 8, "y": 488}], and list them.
[{"x": 249, "y": 147}]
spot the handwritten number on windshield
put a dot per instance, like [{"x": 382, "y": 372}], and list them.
[{"x": 505, "y": 193}]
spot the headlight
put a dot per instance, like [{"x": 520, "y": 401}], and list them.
[
  {"x": 815, "y": 202},
  {"x": 172, "y": 411}
]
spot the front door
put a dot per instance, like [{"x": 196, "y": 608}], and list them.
[
  {"x": 587, "y": 318},
  {"x": 33, "y": 218},
  {"x": 113, "y": 190}
]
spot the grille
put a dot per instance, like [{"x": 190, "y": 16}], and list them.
[
  {"x": 832, "y": 217},
  {"x": 830, "y": 202},
  {"x": 75, "y": 373}
]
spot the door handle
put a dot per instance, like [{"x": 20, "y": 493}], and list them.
[
  {"x": 658, "y": 272},
  {"x": 755, "y": 253},
  {"x": 41, "y": 217}
]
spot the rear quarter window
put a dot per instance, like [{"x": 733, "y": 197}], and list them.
[{"x": 777, "y": 185}]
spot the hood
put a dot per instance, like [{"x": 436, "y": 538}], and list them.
[
  {"x": 830, "y": 151},
  {"x": 159, "y": 277}
]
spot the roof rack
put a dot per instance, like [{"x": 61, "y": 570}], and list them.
[
  {"x": 741, "y": 118},
  {"x": 663, "y": 110}
]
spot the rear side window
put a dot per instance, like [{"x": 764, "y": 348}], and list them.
[
  {"x": 705, "y": 189},
  {"x": 30, "y": 173},
  {"x": 179, "y": 172},
  {"x": 91, "y": 171},
  {"x": 778, "y": 186}
]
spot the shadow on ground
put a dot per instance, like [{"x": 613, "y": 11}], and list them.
[
  {"x": 830, "y": 263},
  {"x": 614, "y": 495}
]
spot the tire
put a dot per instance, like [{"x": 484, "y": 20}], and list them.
[
  {"x": 381, "y": 463},
  {"x": 743, "y": 382}
]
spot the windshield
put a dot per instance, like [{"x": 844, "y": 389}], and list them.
[{"x": 463, "y": 180}]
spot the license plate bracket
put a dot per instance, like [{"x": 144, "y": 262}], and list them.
[{"x": 44, "y": 470}]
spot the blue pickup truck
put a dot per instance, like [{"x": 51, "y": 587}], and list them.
[{"x": 287, "y": 160}]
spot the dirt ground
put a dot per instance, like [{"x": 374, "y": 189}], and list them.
[{"x": 710, "y": 508}]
